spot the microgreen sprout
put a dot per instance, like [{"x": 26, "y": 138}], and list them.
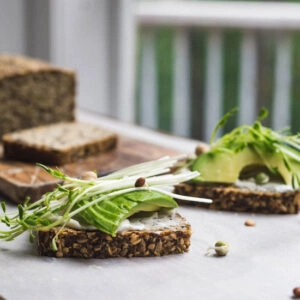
[{"x": 77, "y": 197}]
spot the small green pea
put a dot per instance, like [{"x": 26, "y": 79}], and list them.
[
  {"x": 262, "y": 178},
  {"x": 221, "y": 248}
]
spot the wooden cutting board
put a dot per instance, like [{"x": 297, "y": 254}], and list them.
[{"x": 19, "y": 180}]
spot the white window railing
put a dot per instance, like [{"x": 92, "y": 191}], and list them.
[{"x": 282, "y": 19}]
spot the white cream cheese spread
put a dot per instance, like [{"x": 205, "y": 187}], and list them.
[
  {"x": 154, "y": 222},
  {"x": 267, "y": 187}
]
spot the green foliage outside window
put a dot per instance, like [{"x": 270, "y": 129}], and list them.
[{"x": 231, "y": 65}]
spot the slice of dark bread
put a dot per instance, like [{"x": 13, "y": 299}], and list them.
[
  {"x": 172, "y": 237},
  {"x": 58, "y": 144},
  {"x": 33, "y": 93},
  {"x": 232, "y": 198}
]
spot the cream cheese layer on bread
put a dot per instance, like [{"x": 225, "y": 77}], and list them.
[
  {"x": 154, "y": 221},
  {"x": 269, "y": 186}
]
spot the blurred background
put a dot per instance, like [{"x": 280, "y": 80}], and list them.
[{"x": 176, "y": 66}]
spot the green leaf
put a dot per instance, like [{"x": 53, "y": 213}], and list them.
[
  {"x": 31, "y": 237},
  {"x": 54, "y": 172},
  {"x": 262, "y": 114},
  {"x": 26, "y": 201},
  {"x": 21, "y": 211},
  {"x": 3, "y": 205},
  {"x": 221, "y": 123}
]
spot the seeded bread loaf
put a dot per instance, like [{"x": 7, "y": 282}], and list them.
[
  {"x": 171, "y": 237},
  {"x": 233, "y": 198},
  {"x": 33, "y": 92},
  {"x": 57, "y": 144}
]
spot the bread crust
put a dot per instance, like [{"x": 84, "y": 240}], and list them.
[
  {"x": 17, "y": 65},
  {"x": 232, "y": 198},
  {"x": 96, "y": 244}
]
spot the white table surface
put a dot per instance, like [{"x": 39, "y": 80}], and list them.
[{"x": 263, "y": 262}]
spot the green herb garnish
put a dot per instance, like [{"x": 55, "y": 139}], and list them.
[{"x": 102, "y": 203}]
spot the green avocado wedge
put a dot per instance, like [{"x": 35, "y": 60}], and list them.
[
  {"x": 250, "y": 147},
  {"x": 108, "y": 214}
]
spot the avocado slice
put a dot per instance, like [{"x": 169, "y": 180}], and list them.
[
  {"x": 227, "y": 167},
  {"x": 250, "y": 147},
  {"x": 108, "y": 214}
]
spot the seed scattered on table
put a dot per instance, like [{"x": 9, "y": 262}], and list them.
[
  {"x": 250, "y": 223},
  {"x": 221, "y": 248},
  {"x": 296, "y": 292}
]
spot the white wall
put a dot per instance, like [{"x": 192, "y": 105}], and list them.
[
  {"x": 13, "y": 26},
  {"x": 79, "y": 40}
]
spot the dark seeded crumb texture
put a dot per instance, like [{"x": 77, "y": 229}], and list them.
[
  {"x": 231, "y": 198},
  {"x": 59, "y": 143},
  {"x": 33, "y": 92},
  {"x": 96, "y": 244}
]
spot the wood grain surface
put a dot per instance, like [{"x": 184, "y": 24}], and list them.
[{"x": 19, "y": 180}]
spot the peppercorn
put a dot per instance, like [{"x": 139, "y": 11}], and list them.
[
  {"x": 140, "y": 182},
  {"x": 296, "y": 292}
]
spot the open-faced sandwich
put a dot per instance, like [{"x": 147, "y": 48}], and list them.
[
  {"x": 123, "y": 214},
  {"x": 250, "y": 169}
]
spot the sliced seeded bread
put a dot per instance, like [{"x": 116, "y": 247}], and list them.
[
  {"x": 57, "y": 144},
  {"x": 33, "y": 93},
  {"x": 234, "y": 198},
  {"x": 161, "y": 237}
]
